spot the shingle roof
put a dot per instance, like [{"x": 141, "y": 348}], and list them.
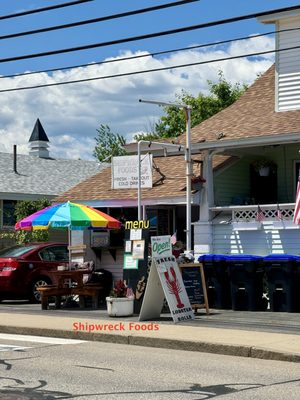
[
  {"x": 252, "y": 115},
  {"x": 42, "y": 176},
  {"x": 98, "y": 187}
]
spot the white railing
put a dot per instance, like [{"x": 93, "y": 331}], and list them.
[{"x": 248, "y": 213}]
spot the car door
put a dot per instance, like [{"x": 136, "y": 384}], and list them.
[{"x": 48, "y": 260}]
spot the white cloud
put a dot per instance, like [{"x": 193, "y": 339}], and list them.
[{"x": 70, "y": 114}]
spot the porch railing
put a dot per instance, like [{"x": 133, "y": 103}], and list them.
[{"x": 248, "y": 213}]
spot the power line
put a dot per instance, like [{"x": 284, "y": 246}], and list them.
[
  {"x": 218, "y": 43},
  {"x": 94, "y": 20},
  {"x": 146, "y": 36},
  {"x": 151, "y": 54},
  {"x": 151, "y": 70},
  {"x": 43, "y": 9}
]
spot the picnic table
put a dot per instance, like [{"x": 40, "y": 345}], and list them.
[{"x": 67, "y": 283}]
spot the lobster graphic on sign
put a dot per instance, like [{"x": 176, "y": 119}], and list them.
[{"x": 174, "y": 286}]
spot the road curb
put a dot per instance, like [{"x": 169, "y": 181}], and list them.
[{"x": 175, "y": 344}]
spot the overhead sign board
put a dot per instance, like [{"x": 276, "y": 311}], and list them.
[{"x": 125, "y": 172}]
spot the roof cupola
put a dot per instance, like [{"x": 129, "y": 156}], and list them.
[{"x": 38, "y": 142}]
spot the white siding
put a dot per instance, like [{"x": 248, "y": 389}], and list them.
[
  {"x": 261, "y": 242},
  {"x": 288, "y": 66}
]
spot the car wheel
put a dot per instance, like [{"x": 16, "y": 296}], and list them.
[{"x": 35, "y": 295}]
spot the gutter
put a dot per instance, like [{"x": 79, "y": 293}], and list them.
[
  {"x": 256, "y": 141},
  {"x": 114, "y": 203}
]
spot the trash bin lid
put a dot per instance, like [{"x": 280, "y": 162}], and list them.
[
  {"x": 212, "y": 257},
  {"x": 243, "y": 257},
  {"x": 281, "y": 257}
]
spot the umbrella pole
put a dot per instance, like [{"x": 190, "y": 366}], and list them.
[{"x": 69, "y": 240}]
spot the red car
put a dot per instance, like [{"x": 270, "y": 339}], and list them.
[{"x": 25, "y": 267}]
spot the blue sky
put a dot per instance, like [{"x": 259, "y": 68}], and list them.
[{"x": 71, "y": 114}]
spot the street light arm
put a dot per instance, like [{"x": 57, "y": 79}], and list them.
[{"x": 162, "y": 103}]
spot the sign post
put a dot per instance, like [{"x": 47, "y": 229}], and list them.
[{"x": 135, "y": 268}]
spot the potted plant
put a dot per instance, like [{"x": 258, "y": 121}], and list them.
[
  {"x": 264, "y": 166},
  {"x": 121, "y": 300}
]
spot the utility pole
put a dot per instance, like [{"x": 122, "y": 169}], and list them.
[
  {"x": 149, "y": 142},
  {"x": 187, "y": 109}
]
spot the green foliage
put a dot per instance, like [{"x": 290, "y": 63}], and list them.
[
  {"x": 108, "y": 144},
  {"x": 23, "y": 209},
  {"x": 221, "y": 95}
]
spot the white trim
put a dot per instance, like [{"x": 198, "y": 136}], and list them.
[
  {"x": 277, "y": 27},
  {"x": 255, "y": 141},
  {"x": 25, "y": 196},
  {"x": 115, "y": 203},
  {"x": 251, "y": 207},
  {"x": 246, "y": 226},
  {"x": 285, "y": 225},
  {"x": 272, "y": 18}
]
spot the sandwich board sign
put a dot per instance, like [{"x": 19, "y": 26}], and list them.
[{"x": 165, "y": 282}]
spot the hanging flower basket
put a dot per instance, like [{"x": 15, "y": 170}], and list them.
[
  {"x": 264, "y": 166},
  {"x": 197, "y": 182}
]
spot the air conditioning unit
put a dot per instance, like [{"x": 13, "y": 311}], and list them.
[{"x": 100, "y": 239}]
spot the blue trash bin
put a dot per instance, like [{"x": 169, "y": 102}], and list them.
[
  {"x": 281, "y": 270},
  {"x": 247, "y": 282},
  {"x": 297, "y": 284},
  {"x": 217, "y": 280}
]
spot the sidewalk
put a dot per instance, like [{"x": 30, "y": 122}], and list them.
[{"x": 263, "y": 335}]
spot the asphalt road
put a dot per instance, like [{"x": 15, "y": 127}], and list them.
[{"x": 63, "y": 369}]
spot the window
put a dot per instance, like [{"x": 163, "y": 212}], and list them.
[
  {"x": 8, "y": 213},
  {"x": 16, "y": 251},
  {"x": 55, "y": 253}
]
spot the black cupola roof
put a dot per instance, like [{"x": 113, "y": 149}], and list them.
[{"x": 38, "y": 133}]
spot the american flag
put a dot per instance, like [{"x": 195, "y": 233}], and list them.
[
  {"x": 260, "y": 216},
  {"x": 296, "y": 218},
  {"x": 174, "y": 238},
  {"x": 279, "y": 214}
]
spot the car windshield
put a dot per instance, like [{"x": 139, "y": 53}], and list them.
[{"x": 16, "y": 251}]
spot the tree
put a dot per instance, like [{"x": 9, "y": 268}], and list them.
[
  {"x": 23, "y": 209},
  {"x": 221, "y": 95},
  {"x": 108, "y": 144}
]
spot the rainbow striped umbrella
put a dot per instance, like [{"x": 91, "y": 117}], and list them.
[{"x": 68, "y": 215}]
